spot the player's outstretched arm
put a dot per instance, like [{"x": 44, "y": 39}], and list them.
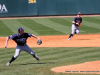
[
  {"x": 39, "y": 42},
  {"x": 35, "y": 36},
  {"x": 7, "y": 39}
]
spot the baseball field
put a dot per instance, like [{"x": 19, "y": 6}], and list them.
[{"x": 58, "y": 56}]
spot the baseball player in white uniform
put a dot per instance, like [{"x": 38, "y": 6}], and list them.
[
  {"x": 20, "y": 38},
  {"x": 76, "y": 23}
]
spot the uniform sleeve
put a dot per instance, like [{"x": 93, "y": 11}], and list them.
[
  {"x": 29, "y": 35},
  {"x": 11, "y": 37},
  {"x": 74, "y": 19}
]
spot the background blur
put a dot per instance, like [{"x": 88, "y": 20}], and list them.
[{"x": 9, "y": 8}]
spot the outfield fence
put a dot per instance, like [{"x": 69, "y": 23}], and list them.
[{"x": 9, "y": 8}]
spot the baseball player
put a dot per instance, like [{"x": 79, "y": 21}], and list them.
[
  {"x": 76, "y": 23},
  {"x": 20, "y": 38}
]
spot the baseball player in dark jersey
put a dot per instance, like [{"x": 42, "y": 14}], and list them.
[
  {"x": 20, "y": 38},
  {"x": 76, "y": 23}
]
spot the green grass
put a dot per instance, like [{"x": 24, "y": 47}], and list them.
[
  {"x": 49, "y": 26},
  {"x": 4, "y": 30},
  {"x": 50, "y": 57}
]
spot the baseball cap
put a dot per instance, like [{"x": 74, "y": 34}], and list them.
[
  {"x": 20, "y": 29},
  {"x": 79, "y": 13}
]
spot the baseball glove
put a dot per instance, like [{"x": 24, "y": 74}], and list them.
[{"x": 39, "y": 42}]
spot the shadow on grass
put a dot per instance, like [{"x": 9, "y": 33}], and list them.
[{"x": 38, "y": 63}]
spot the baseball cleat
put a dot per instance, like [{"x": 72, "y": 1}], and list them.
[
  {"x": 37, "y": 58},
  {"x": 8, "y": 64},
  {"x": 69, "y": 39}
]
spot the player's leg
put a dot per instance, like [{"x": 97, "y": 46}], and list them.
[
  {"x": 77, "y": 31},
  {"x": 30, "y": 51},
  {"x": 17, "y": 52},
  {"x": 73, "y": 31}
]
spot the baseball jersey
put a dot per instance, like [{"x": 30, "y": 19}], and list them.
[
  {"x": 77, "y": 20},
  {"x": 20, "y": 39}
]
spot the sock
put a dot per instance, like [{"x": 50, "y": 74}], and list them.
[
  {"x": 70, "y": 35},
  {"x": 12, "y": 59},
  {"x": 34, "y": 56}
]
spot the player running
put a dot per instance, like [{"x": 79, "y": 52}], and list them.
[
  {"x": 20, "y": 38},
  {"x": 76, "y": 22}
]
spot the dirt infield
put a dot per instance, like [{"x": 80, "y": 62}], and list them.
[
  {"x": 87, "y": 67},
  {"x": 86, "y": 40}
]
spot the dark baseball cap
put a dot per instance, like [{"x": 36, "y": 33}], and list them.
[
  {"x": 79, "y": 13},
  {"x": 20, "y": 29}
]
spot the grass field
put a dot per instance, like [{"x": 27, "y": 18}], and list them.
[
  {"x": 50, "y": 57},
  {"x": 48, "y": 26}
]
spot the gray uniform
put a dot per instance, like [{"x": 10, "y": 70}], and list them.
[
  {"x": 21, "y": 44},
  {"x": 75, "y": 28}
]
